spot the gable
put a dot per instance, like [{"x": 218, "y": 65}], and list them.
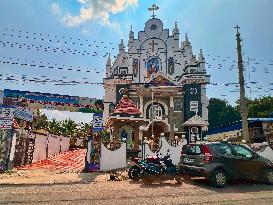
[{"x": 161, "y": 80}]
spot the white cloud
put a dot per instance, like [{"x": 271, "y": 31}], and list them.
[
  {"x": 55, "y": 9},
  {"x": 94, "y": 10},
  {"x": 62, "y": 115}
]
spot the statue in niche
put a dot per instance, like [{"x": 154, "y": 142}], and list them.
[{"x": 123, "y": 135}]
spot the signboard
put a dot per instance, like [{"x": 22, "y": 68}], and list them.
[
  {"x": 23, "y": 113},
  {"x": 6, "y": 112},
  {"x": 5, "y": 124},
  {"x": 97, "y": 122},
  {"x": 38, "y": 100},
  {"x": 192, "y": 100}
]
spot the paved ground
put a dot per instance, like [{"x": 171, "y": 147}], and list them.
[
  {"x": 67, "y": 161},
  {"x": 125, "y": 192}
]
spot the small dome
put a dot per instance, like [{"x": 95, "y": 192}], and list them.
[{"x": 153, "y": 27}]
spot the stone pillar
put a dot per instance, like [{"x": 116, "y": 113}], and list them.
[
  {"x": 115, "y": 131},
  {"x": 171, "y": 102},
  {"x": 141, "y": 105},
  {"x": 136, "y": 137},
  {"x": 171, "y": 115}
]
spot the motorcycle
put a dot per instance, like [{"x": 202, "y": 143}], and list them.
[
  {"x": 154, "y": 168},
  {"x": 135, "y": 171},
  {"x": 166, "y": 171}
]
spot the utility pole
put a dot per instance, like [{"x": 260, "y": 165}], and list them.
[{"x": 243, "y": 103}]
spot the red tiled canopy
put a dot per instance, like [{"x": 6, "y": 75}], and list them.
[
  {"x": 15, "y": 124},
  {"x": 126, "y": 107}
]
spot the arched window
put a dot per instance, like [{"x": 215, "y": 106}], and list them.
[
  {"x": 177, "y": 105},
  {"x": 155, "y": 112}
]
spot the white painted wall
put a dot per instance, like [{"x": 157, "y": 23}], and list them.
[
  {"x": 175, "y": 152},
  {"x": 40, "y": 148},
  {"x": 64, "y": 144},
  {"x": 13, "y": 143},
  {"x": 110, "y": 160}
]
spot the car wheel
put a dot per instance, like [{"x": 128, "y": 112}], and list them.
[
  {"x": 268, "y": 176},
  {"x": 219, "y": 178},
  {"x": 134, "y": 173}
]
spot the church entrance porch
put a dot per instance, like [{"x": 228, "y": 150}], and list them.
[{"x": 155, "y": 129}]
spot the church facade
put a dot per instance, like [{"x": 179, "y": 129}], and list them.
[{"x": 154, "y": 85}]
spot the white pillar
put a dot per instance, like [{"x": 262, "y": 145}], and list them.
[{"x": 171, "y": 102}]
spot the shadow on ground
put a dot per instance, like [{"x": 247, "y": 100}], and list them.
[{"x": 233, "y": 186}]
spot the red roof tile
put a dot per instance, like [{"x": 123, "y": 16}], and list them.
[
  {"x": 126, "y": 107},
  {"x": 15, "y": 124}
]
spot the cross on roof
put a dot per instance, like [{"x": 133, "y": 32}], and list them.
[
  {"x": 153, "y": 44},
  {"x": 237, "y": 27},
  {"x": 153, "y": 9}
]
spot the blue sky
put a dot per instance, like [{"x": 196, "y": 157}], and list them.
[{"x": 209, "y": 24}]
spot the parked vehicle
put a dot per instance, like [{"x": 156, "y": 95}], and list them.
[
  {"x": 157, "y": 169},
  {"x": 135, "y": 171},
  {"x": 221, "y": 161}
]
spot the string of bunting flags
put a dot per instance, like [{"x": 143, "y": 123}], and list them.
[
  {"x": 51, "y": 49},
  {"x": 85, "y": 42},
  {"x": 61, "y": 81},
  {"x": 24, "y": 62}
]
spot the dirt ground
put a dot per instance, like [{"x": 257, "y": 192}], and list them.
[
  {"x": 49, "y": 177},
  {"x": 47, "y": 187}
]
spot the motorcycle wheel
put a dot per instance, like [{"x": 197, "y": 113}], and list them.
[{"x": 134, "y": 173}]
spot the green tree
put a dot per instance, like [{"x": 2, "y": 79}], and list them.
[
  {"x": 259, "y": 107},
  {"x": 55, "y": 127},
  {"x": 41, "y": 121},
  {"x": 69, "y": 128},
  {"x": 221, "y": 112}
]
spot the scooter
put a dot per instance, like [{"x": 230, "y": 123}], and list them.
[{"x": 165, "y": 171}]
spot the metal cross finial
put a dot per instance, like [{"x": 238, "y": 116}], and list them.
[
  {"x": 153, "y": 9},
  {"x": 237, "y": 27}
]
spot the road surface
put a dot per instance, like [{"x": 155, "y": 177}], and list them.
[{"x": 197, "y": 192}]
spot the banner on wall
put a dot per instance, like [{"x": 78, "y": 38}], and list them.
[
  {"x": 38, "y": 100},
  {"x": 23, "y": 113},
  {"x": 6, "y": 112},
  {"x": 6, "y": 124}
]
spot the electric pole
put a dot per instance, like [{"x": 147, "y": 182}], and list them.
[{"x": 243, "y": 102}]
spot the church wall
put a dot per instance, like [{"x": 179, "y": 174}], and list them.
[
  {"x": 178, "y": 120},
  {"x": 161, "y": 43}
]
